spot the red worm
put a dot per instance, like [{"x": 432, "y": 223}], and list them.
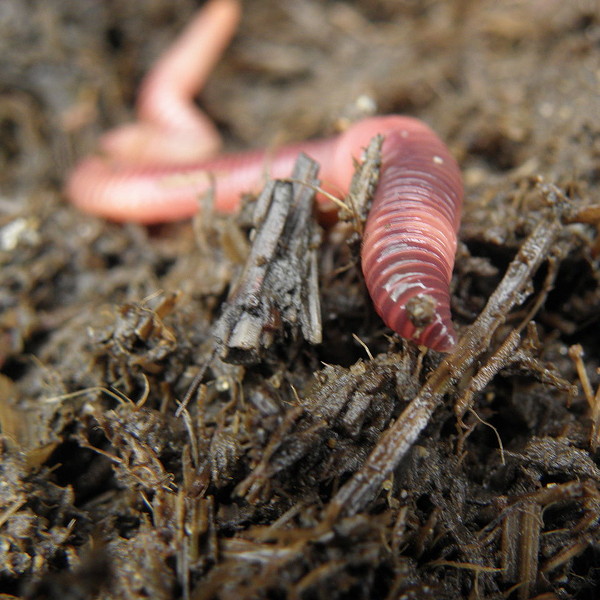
[
  {"x": 410, "y": 234},
  {"x": 170, "y": 127}
]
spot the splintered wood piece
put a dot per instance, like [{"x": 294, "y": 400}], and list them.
[
  {"x": 276, "y": 296},
  {"x": 363, "y": 185}
]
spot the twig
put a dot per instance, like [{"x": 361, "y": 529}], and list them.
[{"x": 279, "y": 283}]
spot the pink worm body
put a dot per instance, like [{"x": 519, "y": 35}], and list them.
[
  {"x": 157, "y": 168},
  {"x": 410, "y": 235},
  {"x": 170, "y": 128}
]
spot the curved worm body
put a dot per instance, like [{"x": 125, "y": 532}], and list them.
[
  {"x": 169, "y": 126},
  {"x": 410, "y": 235},
  {"x": 155, "y": 170}
]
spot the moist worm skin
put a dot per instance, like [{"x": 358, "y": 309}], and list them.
[
  {"x": 158, "y": 167},
  {"x": 410, "y": 234}
]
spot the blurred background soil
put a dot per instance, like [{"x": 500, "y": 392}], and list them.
[{"x": 107, "y": 492}]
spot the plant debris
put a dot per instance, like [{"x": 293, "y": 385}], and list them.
[{"x": 279, "y": 284}]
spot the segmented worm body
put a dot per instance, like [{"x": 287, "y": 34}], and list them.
[
  {"x": 170, "y": 128},
  {"x": 410, "y": 235}
]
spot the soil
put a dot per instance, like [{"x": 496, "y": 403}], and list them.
[{"x": 138, "y": 463}]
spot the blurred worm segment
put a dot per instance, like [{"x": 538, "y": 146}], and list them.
[
  {"x": 170, "y": 127},
  {"x": 410, "y": 234}
]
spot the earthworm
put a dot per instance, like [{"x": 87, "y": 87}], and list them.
[
  {"x": 410, "y": 235},
  {"x": 170, "y": 127}
]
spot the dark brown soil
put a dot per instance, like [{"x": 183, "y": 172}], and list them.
[{"x": 263, "y": 483}]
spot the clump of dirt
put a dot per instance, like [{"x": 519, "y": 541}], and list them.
[{"x": 165, "y": 437}]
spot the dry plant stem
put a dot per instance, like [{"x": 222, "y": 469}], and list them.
[
  {"x": 487, "y": 372},
  {"x": 520, "y": 546},
  {"x": 285, "y": 241},
  {"x": 576, "y": 354},
  {"x": 355, "y": 494},
  {"x": 512, "y": 351},
  {"x": 521, "y": 526},
  {"x": 279, "y": 282},
  {"x": 529, "y": 543},
  {"x": 363, "y": 186}
]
